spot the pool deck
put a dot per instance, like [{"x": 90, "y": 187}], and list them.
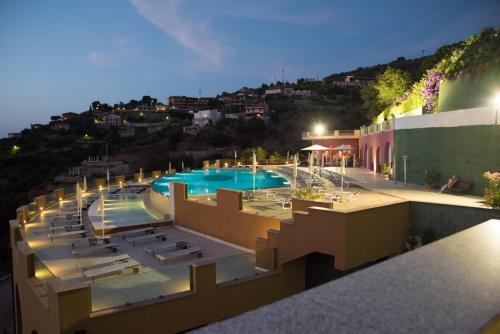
[
  {"x": 411, "y": 192},
  {"x": 153, "y": 279}
]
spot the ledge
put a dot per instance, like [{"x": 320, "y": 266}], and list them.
[{"x": 449, "y": 286}]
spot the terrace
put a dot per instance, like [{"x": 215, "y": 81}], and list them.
[{"x": 54, "y": 258}]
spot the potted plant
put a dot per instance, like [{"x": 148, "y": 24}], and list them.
[
  {"x": 429, "y": 179},
  {"x": 386, "y": 170}
]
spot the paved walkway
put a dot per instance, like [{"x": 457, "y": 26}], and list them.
[{"x": 376, "y": 182}]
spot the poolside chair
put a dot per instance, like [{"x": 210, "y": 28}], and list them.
[
  {"x": 151, "y": 236},
  {"x": 91, "y": 249},
  {"x": 180, "y": 253},
  {"x": 100, "y": 261},
  {"x": 126, "y": 234},
  {"x": 167, "y": 247},
  {"x": 81, "y": 233},
  {"x": 112, "y": 269}
]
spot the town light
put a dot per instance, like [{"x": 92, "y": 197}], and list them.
[{"x": 319, "y": 129}]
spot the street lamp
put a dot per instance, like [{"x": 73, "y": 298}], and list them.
[
  {"x": 319, "y": 129},
  {"x": 496, "y": 104}
]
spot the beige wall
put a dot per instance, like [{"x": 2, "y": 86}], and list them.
[
  {"x": 225, "y": 220},
  {"x": 353, "y": 237}
]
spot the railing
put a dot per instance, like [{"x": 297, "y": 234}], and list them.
[
  {"x": 377, "y": 128},
  {"x": 332, "y": 134}
]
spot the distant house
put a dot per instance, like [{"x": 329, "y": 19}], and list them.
[
  {"x": 353, "y": 81},
  {"x": 36, "y": 126},
  {"x": 112, "y": 120},
  {"x": 278, "y": 90},
  {"x": 60, "y": 125},
  {"x": 14, "y": 135},
  {"x": 160, "y": 107},
  {"x": 256, "y": 110},
  {"x": 302, "y": 93},
  {"x": 206, "y": 117},
  {"x": 234, "y": 115},
  {"x": 67, "y": 116},
  {"x": 187, "y": 103}
]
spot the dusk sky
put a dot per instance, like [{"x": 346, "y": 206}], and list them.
[{"x": 59, "y": 56}]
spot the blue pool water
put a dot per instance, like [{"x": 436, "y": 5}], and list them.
[{"x": 207, "y": 181}]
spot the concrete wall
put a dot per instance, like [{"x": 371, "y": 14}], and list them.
[
  {"x": 444, "y": 220},
  {"x": 470, "y": 90},
  {"x": 225, "y": 220},
  {"x": 466, "y": 151}
]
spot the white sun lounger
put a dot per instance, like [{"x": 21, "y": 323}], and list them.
[
  {"x": 167, "y": 247},
  {"x": 180, "y": 253},
  {"x": 111, "y": 269},
  {"x": 100, "y": 261},
  {"x": 89, "y": 241},
  {"x": 91, "y": 249},
  {"x": 82, "y": 233},
  {"x": 54, "y": 229},
  {"x": 162, "y": 236},
  {"x": 65, "y": 221},
  {"x": 126, "y": 234}
]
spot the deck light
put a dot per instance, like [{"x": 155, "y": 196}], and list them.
[{"x": 319, "y": 129}]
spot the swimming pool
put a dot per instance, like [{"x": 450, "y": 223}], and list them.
[{"x": 207, "y": 181}]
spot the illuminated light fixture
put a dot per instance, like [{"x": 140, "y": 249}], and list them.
[
  {"x": 319, "y": 129},
  {"x": 60, "y": 198},
  {"x": 496, "y": 100},
  {"x": 41, "y": 208}
]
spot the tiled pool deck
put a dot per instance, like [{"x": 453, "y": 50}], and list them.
[{"x": 154, "y": 278}]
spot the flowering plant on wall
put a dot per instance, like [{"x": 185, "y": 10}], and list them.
[
  {"x": 431, "y": 89},
  {"x": 492, "y": 190}
]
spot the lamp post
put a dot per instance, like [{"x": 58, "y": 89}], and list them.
[{"x": 405, "y": 159}]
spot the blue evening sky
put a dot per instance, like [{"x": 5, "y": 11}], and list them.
[{"x": 58, "y": 56}]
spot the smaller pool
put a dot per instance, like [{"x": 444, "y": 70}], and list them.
[
  {"x": 207, "y": 181},
  {"x": 121, "y": 212}
]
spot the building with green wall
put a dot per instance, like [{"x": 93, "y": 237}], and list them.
[{"x": 465, "y": 143}]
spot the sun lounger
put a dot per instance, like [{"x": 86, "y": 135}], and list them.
[
  {"x": 90, "y": 241},
  {"x": 180, "y": 253},
  {"x": 81, "y": 233},
  {"x": 111, "y": 269},
  {"x": 167, "y": 247},
  {"x": 162, "y": 236},
  {"x": 127, "y": 234},
  {"x": 54, "y": 229},
  {"x": 100, "y": 261},
  {"x": 91, "y": 249}
]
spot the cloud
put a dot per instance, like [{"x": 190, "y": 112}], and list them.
[
  {"x": 119, "y": 52},
  {"x": 101, "y": 58},
  {"x": 183, "y": 26}
]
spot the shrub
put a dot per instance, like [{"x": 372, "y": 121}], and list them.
[
  {"x": 305, "y": 193},
  {"x": 492, "y": 189}
]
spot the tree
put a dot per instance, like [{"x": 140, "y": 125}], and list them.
[
  {"x": 369, "y": 96},
  {"x": 391, "y": 85}
]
